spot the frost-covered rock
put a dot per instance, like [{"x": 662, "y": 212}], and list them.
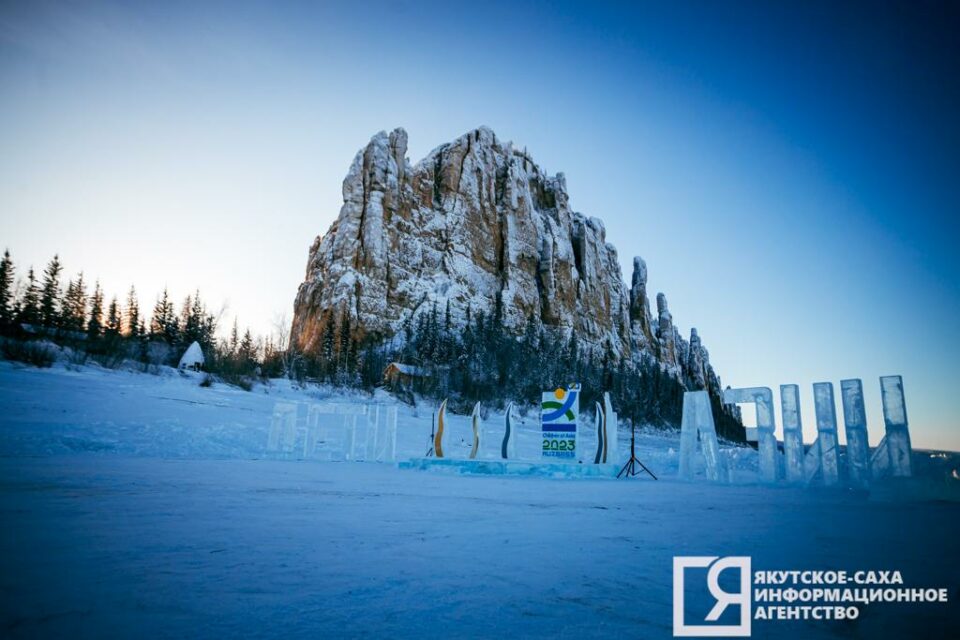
[
  {"x": 474, "y": 222},
  {"x": 640, "y": 306},
  {"x": 697, "y": 361},
  {"x": 666, "y": 334}
]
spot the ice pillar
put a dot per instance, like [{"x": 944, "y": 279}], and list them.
[
  {"x": 612, "y": 441},
  {"x": 475, "y": 421},
  {"x": 283, "y": 428},
  {"x": 792, "y": 432},
  {"x": 826, "y": 411},
  {"x": 698, "y": 419},
  {"x": 762, "y": 398},
  {"x": 855, "y": 426},
  {"x": 895, "y": 419},
  {"x": 600, "y": 436}
]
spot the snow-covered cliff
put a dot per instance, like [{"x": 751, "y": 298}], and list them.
[{"x": 474, "y": 224}]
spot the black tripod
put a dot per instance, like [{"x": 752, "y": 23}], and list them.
[
  {"x": 430, "y": 450},
  {"x": 631, "y": 467}
]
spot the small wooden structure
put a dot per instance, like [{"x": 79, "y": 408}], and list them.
[{"x": 398, "y": 374}]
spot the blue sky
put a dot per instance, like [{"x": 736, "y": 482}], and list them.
[{"x": 788, "y": 170}]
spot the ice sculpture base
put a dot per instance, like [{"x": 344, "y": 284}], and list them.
[{"x": 511, "y": 468}]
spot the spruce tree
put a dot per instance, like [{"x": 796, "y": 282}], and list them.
[
  {"x": 29, "y": 312},
  {"x": 73, "y": 308},
  {"x": 163, "y": 323},
  {"x": 246, "y": 353},
  {"x": 208, "y": 329},
  {"x": 446, "y": 347},
  {"x": 321, "y": 363},
  {"x": 234, "y": 339},
  {"x": 95, "y": 320},
  {"x": 132, "y": 319},
  {"x": 158, "y": 317},
  {"x": 194, "y": 322},
  {"x": 65, "y": 319},
  {"x": 432, "y": 350},
  {"x": 345, "y": 360},
  {"x": 114, "y": 319},
  {"x": 6, "y": 291},
  {"x": 50, "y": 294},
  {"x": 196, "y": 325},
  {"x": 188, "y": 330}
]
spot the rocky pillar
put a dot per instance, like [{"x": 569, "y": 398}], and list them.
[{"x": 665, "y": 333}]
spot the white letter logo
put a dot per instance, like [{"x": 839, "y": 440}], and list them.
[{"x": 724, "y": 599}]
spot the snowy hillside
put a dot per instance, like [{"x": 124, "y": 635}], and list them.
[{"x": 134, "y": 502}]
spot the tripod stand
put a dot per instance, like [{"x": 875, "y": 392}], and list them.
[
  {"x": 631, "y": 467},
  {"x": 430, "y": 449}
]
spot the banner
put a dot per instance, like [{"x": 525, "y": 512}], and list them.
[{"x": 559, "y": 412}]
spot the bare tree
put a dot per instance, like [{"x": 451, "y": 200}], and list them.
[{"x": 281, "y": 332}]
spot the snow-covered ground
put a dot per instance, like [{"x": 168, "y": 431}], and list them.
[{"x": 144, "y": 505}]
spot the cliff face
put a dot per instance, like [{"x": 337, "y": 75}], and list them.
[{"x": 476, "y": 224}]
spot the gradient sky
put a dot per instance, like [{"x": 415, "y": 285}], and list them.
[{"x": 789, "y": 171}]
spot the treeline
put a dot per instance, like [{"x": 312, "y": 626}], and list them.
[
  {"x": 482, "y": 361},
  {"x": 37, "y": 308},
  {"x": 475, "y": 360}
]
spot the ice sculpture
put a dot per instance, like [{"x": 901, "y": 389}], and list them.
[
  {"x": 475, "y": 420},
  {"x": 335, "y": 437},
  {"x": 824, "y": 450},
  {"x": 283, "y": 428},
  {"x": 611, "y": 441},
  {"x": 698, "y": 419},
  {"x": 601, "y": 436},
  {"x": 762, "y": 398},
  {"x": 893, "y": 456},
  {"x": 438, "y": 438},
  {"x": 895, "y": 451},
  {"x": 792, "y": 433},
  {"x": 339, "y": 432},
  {"x": 373, "y": 436},
  {"x": 331, "y": 432},
  {"x": 855, "y": 427},
  {"x": 508, "y": 446}
]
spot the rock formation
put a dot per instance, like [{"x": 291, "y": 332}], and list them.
[
  {"x": 697, "y": 361},
  {"x": 666, "y": 334},
  {"x": 478, "y": 225}
]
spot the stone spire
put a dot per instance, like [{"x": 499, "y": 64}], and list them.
[
  {"x": 697, "y": 362},
  {"x": 640, "y": 320},
  {"x": 666, "y": 334}
]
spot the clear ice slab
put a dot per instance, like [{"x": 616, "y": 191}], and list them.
[{"x": 762, "y": 399}]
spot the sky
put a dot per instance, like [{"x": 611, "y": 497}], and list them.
[{"x": 789, "y": 171}]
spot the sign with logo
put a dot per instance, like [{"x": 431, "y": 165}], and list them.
[
  {"x": 721, "y": 599},
  {"x": 559, "y": 412}
]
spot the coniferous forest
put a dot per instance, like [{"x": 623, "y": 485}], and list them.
[
  {"x": 477, "y": 362},
  {"x": 41, "y": 313},
  {"x": 483, "y": 362}
]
